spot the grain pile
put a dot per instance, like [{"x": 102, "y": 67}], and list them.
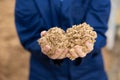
[
  {"x": 79, "y": 35},
  {"x": 57, "y": 38}
]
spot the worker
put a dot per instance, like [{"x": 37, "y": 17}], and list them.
[{"x": 34, "y": 17}]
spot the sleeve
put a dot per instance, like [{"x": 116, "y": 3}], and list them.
[
  {"x": 29, "y": 24},
  {"x": 97, "y": 16}
]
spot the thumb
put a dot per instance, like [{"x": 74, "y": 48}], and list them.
[{"x": 43, "y": 33}]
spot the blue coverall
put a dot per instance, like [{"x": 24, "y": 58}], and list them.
[{"x": 34, "y": 16}]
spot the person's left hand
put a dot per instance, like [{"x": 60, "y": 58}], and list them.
[{"x": 77, "y": 51}]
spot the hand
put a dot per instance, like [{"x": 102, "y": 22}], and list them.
[
  {"x": 63, "y": 54},
  {"x": 77, "y": 51},
  {"x": 47, "y": 47},
  {"x": 59, "y": 53}
]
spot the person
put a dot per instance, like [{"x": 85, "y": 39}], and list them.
[{"x": 35, "y": 17}]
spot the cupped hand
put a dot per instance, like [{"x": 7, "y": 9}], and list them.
[
  {"x": 59, "y": 53},
  {"x": 76, "y": 51}
]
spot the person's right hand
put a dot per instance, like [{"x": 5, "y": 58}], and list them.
[{"x": 59, "y": 53}]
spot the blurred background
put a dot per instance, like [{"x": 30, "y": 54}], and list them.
[{"x": 14, "y": 60}]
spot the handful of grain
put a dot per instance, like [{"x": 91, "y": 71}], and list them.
[
  {"x": 55, "y": 38},
  {"x": 77, "y": 35}
]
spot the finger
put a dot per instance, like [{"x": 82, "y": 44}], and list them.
[
  {"x": 72, "y": 58},
  {"x": 73, "y": 53},
  {"x": 46, "y": 49},
  {"x": 43, "y": 51},
  {"x": 95, "y": 34},
  {"x": 79, "y": 51},
  {"x": 63, "y": 55},
  {"x": 58, "y": 52},
  {"x": 68, "y": 55},
  {"x": 89, "y": 46},
  {"x": 43, "y": 33}
]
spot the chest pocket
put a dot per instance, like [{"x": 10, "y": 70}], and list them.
[{"x": 78, "y": 10}]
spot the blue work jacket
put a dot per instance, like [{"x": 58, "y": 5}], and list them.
[{"x": 34, "y": 16}]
